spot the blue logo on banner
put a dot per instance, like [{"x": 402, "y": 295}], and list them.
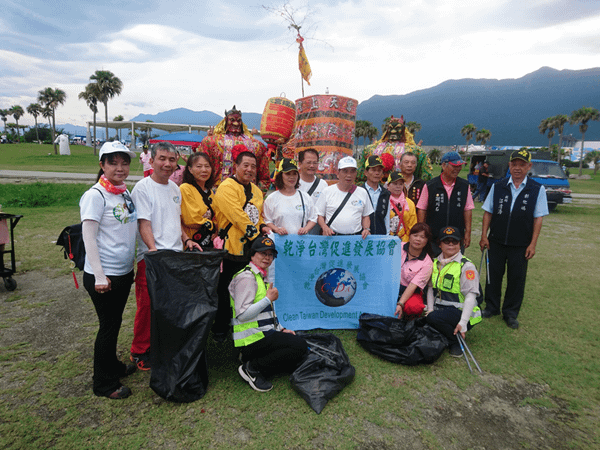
[{"x": 336, "y": 287}]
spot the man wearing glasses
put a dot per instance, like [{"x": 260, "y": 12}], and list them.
[{"x": 308, "y": 163}]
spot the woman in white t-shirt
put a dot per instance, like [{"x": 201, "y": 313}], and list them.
[
  {"x": 109, "y": 223},
  {"x": 289, "y": 210}
]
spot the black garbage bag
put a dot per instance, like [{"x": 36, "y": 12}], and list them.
[
  {"x": 183, "y": 294},
  {"x": 325, "y": 371},
  {"x": 399, "y": 341}
]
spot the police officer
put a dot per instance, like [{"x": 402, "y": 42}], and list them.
[
  {"x": 514, "y": 210},
  {"x": 452, "y": 302}
]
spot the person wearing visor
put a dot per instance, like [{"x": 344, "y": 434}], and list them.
[
  {"x": 403, "y": 214},
  {"x": 289, "y": 210},
  {"x": 446, "y": 200},
  {"x": 109, "y": 226},
  {"x": 266, "y": 347},
  {"x": 454, "y": 287},
  {"x": 513, "y": 235}
]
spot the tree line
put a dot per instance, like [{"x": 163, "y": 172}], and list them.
[{"x": 103, "y": 86}]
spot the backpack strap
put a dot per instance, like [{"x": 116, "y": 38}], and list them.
[
  {"x": 314, "y": 186},
  {"x": 337, "y": 211}
]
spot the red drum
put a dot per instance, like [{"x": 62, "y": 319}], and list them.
[
  {"x": 277, "y": 119},
  {"x": 325, "y": 123}
]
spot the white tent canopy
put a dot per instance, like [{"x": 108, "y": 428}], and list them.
[{"x": 143, "y": 126}]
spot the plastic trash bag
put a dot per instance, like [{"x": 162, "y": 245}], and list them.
[
  {"x": 325, "y": 371},
  {"x": 398, "y": 341},
  {"x": 183, "y": 294}
]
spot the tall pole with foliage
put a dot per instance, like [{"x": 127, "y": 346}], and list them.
[
  {"x": 559, "y": 122},
  {"x": 17, "y": 112},
  {"x": 468, "y": 131},
  {"x": 51, "y": 98},
  {"x": 582, "y": 116},
  {"x": 90, "y": 94},
  {"x": 35, "y": 110},
  {"x": 108, "y": 86}
]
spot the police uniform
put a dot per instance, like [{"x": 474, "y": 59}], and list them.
[{"x": 452, "y": 298}]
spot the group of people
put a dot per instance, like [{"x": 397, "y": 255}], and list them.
[{"x": 212, "y": 209}]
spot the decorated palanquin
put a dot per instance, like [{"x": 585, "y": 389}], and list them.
[
  {"x": 325, "y": 123},
  {"x": 277, "y": 124},
  {"x": 228, "y": 133},
  {"x": 395, "y": 141}
]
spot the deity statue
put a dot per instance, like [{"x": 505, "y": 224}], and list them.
[
  {"x": 396, "y": 140},
  {"x": 232, "y": 131}
]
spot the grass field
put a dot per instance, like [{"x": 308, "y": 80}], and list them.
[{"x": 539, "y": 389}]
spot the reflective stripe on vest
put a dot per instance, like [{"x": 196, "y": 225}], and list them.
[
  {"x": 246, "y": 333},
  {"x": 447, "y": 292}
]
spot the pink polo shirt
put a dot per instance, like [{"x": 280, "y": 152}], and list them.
[
  {"x": 417, "y": 271},
  {"x": 424, "y": 198}
]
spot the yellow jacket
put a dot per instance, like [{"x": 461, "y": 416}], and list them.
[
  {"x": 409, "y": 219},
  {"x": 228, "y": 204},
  {"x": 193, "y": 209}
]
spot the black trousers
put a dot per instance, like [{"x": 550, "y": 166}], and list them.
[
  {"x": 276, "y": 353},
  {"x": 222, "y": 323},
  {"x": 513, "y": 259},
  {"x": 109, "y": 308},
  {"x": 444, "y": 319}
]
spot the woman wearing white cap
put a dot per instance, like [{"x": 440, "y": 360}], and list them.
[{"x": 109, "y": 223}]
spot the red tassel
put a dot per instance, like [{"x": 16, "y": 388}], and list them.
[{"x": 75, "y": 280}]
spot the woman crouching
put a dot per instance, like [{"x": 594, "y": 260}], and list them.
[
  {"x": 455, "y": 284},
  {"x": 266, "y": 347}
]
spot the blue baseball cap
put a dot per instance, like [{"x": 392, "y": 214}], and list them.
[{"x": 452, "y": 158}]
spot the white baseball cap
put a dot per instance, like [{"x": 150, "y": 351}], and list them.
[
  {"x": 346, "y": 162},
  {"x": 114, "y": 147}
]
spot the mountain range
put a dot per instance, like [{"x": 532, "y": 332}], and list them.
[{"x": 511, "y": 109}]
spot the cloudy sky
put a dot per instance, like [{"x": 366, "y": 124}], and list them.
[{"x": 212, "y": 54}]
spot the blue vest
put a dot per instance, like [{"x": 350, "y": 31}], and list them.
[
  {"x": 514, "y": 228},
  {"x": 443, "y": 212},
  {"x": 382, "y": 209}
]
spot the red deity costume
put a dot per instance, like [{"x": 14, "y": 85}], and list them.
[{"x": 230, "y": 132}]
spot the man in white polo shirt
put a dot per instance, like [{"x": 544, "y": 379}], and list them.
[
  {"x": 308, "y": 163},
  {"x": 344, "y": 208}
]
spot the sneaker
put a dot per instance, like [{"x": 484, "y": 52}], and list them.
[
  {"x": 120, "y": 394},
  {"x": 130, "y": 369},
  {"x": 487, "y": 313},
  {"x": 254, "y": 378},
  {"x": 141, "y": 360},
  {"x": 455, "y": 350},
  {"x": 512, "y": 323}
]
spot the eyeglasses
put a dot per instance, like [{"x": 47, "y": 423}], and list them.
[
  {"x": 451, "y": 241},
  {"x": 128, "y": 203},
  {"x": 268, "y": 254}
]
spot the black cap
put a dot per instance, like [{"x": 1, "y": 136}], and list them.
[
  {"x": 450, "y": 232},
  {"x": 374, "y": 161},
  {"x": 395, "y": 176},
  {"x": 287, "y": 165},
  {"x": 263, "y": 243},
  {"x": 521, "y": 154}
]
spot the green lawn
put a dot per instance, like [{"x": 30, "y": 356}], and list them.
[{"x": 549, "y": 368}]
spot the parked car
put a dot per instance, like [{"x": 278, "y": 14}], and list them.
[{"x": 543, "y": 170}]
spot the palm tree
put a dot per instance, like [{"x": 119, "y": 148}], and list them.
[
  {"x": 361, "y": 129},
  {"x": 47, "y": 114},
  {"x": 17, "y": 112},
  {"x": 582, "y": 116},
  {"x": 108, "y": 86},
  {"x": 413, "y": 127},
  {"x": 593, "y": 157},
  {"x": 468, "y": 131},
  {"x": 483, "y": 136},
  {"x": 51, "y": 98},
  {"x": 90, "y": 95},
  {"x": 3, "y": 115},
  {"x": 119, "y": 118},
  {"x": 548, "y": 125},
  {"x": 434, "y": 155},
  {"x": 35, "y": 110},
  {"x": 559, "y": 123},
  {"x": 372, "y": 132},
  {"x": 385, "y": 124}
]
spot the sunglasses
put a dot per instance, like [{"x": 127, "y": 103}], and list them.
[
  {"x": 451, "y": 241},
  {"x": 128, "y": 203}
]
